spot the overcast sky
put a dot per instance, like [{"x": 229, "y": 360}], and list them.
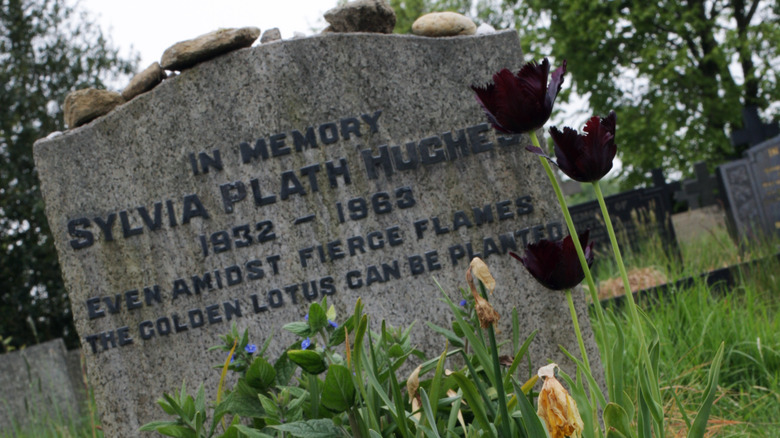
[{"x": 150, "y": 26}]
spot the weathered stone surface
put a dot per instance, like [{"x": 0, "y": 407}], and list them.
[
  {"x": 36, "y": 386},
  {"x": 144, "y": 81},
  {"x": 362, "y": 16},
  {"x": 443, "y": 24},
  {"x": 186, "y": 54},
  {"x": 271, "y": 35},
  {"x": 83, "y": 106},
  {"x": 350, "y": 180}
]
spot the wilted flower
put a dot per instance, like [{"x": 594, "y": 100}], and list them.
[
  {"x": 485, "y": 312},
  {"x": 250, "y": 348},
  {"x": 412, "y": 385},
  {"x": 520, "y": 103},
  {"x": 480, "y": 270},
  {"x": 585, "y": 157},
  {"x": 555, "y": 263},
  {"x": 305, "y": 343},
  {"x": 556, "y": 407}
]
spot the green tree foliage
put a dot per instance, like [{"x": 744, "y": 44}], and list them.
[
  {"x": 677, "y": 72},
  {"x": 47, "y": 49}
]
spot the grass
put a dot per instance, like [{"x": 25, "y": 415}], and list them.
[
  {"x": 692, "y": 323},
  {"x": 58, "y": 424}
]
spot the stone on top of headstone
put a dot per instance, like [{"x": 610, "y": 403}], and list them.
[
  {"x": 186, "y": 54},
  {"x": 361, "y": 16},
  {"x": 276, "y": 176},
  {"x": 83, "y": 106},
  {"x": 484, "y": 29},
  {"x": 271, "y": 35},
  {"x": 443, "y": 24},
  {"x": 144, "y": 81}
]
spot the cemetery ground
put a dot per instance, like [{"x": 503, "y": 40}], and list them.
[{"x": 692, "y": 322}]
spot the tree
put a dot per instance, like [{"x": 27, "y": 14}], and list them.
[
  {"x": 677, "y": 72},
  {"x": 47, "y": 49}
]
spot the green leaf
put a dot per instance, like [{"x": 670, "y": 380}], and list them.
[
  {"x": 449, "y": 334},
  {"x": 260, "y": 375},
  {"x": 242, "y": 401},
  {"x": 615, "y": 417},
  {"x": 318, "y": 320},
  {"x": 700, "y": 422},
  {"x": 248, "y": 431},
  {"x": 177, "y": 431},
  {"x": 152, "y": 426},
  {"x": 338, "y": 392},
  {"x": 310, "y": 361},
  {"x": 531, "y": 422},
  {"x": 300, "y": 328},
  {"x": 321, "y": 428},
  {"x": 429, "y": 414},
  {"x": 285, "y": 369},
  {"x": 473, "y": 399}
]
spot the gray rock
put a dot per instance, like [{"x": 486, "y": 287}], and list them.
[
  {"x": 324, "y": 120},
  {"x": 443, "y": 24},
  {"x": 186, "y": 54},
  {"x": 144, "y": 81},
  {"x": 271, "y": 35},
  {"x": 362, "y": 16},
  {"x": 83, "y": 106}
]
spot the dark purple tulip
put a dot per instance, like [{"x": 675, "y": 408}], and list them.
[
  {"x": 555, "y": 264},
  {"x": 588, "y": 157},
  {"x": 520, "y": 103}
]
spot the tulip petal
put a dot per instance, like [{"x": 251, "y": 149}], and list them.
[{"x": 555, "y": 264}]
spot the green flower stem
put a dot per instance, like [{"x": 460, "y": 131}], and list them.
[
  {"x": 621, "y": 266},
  {"x": 581, "y": 254},
  {"x": 643, "y": 347},
  {"x": 500, "y": 393},
  {"x": 576, "y": 323}
]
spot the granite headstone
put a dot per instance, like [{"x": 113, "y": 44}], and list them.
[{"x": 341, "y": 165}]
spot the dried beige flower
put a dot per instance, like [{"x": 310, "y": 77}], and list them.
[
  {"x": 556, "y": 406},
  {"x": 486, "y": 314},
  {"x": 480, "y": 270}
]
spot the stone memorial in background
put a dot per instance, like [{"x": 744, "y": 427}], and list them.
[
  {"x": 38, "y": 383},
  {"x": 338, "y": 166},
  {"x": 752, "y": 190},
  {"x": 636, "y": 215}
]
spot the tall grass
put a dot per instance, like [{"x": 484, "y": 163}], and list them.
[{"x": 692, "y": 323}]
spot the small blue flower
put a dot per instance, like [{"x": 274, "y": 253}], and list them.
[
  {"x": 305, "y": 343},
  {"x": 333, "y": 324},
  {"x": 250, "y": 348},
  {"x": 306, "y": 318},
  {"x": 232, "y": 359},
  {"x": 463, "y": 303}
]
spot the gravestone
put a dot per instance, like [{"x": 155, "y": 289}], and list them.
[
  {"x": 753, "y": 131},
  {"x": 700, "y": 191},
  {"x": 636, "y": 215},
  {"x": 252, "y": 184},
  {"x": 37, "y": 386},
  {"x": 752, "y": 190}
]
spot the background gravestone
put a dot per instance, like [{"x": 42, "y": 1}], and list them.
[
  {"x": 37, "y": 384},
  {"x": 346, "y": 165},
  {"x": 752, "y": 190}
]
